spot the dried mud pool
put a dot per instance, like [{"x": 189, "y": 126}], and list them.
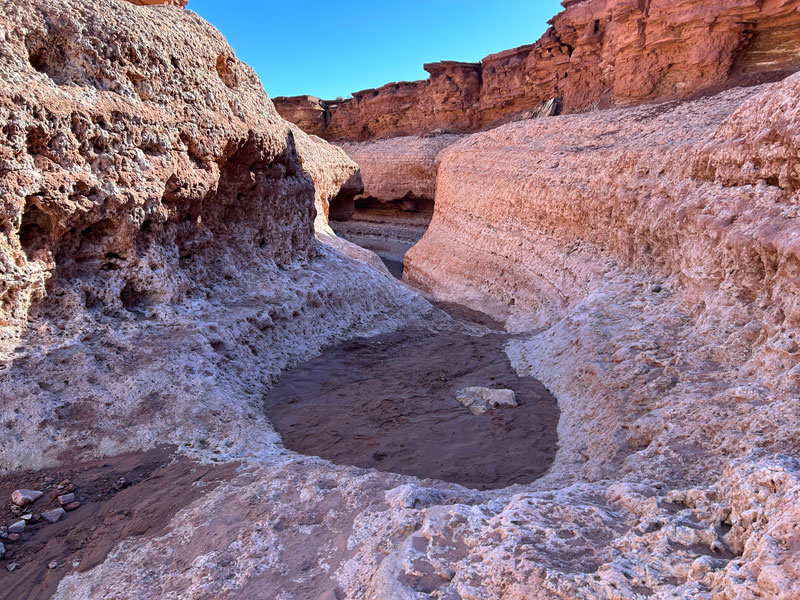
[{"x": 397, "y": 402}]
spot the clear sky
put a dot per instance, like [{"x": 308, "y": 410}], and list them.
[{"x": 329, "y": 49}]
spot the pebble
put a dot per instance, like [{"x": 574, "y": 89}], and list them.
[
  {"x": 25, "y": 497},
  {"x": 2, "y": 550},
  {"x": 63, "y": 484},
  {"x": 72, "y": 505},
  {"x": 656, "y": 288},
  {"x": 17, "y": 527},
  {"x": 52, "y": 516},
  {"x": 66, "y": 499},
  {"x": 27, "y": 517},
  {"x": 53, "y": 564},
  {"x": 12, "y": 567},
  {"x": 13, "y": 537}
]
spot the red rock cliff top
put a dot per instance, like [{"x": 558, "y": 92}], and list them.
[{"x": 597, "y": 53}]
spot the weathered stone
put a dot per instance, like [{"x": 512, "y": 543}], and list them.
[
  {"x": 66, "y": 498},
  {"x": 72, "y": 505},
  {"x": 17, "y": 527},
  {"x": 54, "y": 515},
  {"x": 23, "y": 498},
  {"x": 480, "y": 400}
]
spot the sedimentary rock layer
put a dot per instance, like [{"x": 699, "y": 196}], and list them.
[
  {"x": 654, "y": 253},
  {"x": 596, "y": 53},
  {"x": 399, "y": 168},
  {"x": 157, "y": 215}
]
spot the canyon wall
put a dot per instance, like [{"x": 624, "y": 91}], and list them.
[
  {"x": 150, "y": 192},
  {"x": 597, "y": 53},
  {"x": 662, "y": 272},
  {"x": 650, "y": 258}
]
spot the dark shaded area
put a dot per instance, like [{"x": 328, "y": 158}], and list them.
[
  {"x": 389, "y": 403},
  {"x": 121, "y": 496},
  {"x": 395, "y": 267}
]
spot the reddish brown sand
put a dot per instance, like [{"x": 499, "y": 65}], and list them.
[
  {"x": 122, "y": 496},
  {"x": 388, "y": 403}
]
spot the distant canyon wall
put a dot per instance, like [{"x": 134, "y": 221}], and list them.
[{"x": 597, "y": 53}]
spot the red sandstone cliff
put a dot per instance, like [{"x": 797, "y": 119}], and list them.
[{"x": 596, "y": 53}]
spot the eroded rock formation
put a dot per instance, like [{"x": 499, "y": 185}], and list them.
[
  {"x": 150, "y": 193},
  {"x": 161, "y": 265},
  {"x": 655, "y": 252},
  {"x": 597, "y": 53}
]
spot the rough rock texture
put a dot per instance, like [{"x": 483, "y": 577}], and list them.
[
  {"x": 653, "y": 253},
  {"x": 596, "y": 53},
  {"x": 394, "y": 210},
  {"x": 160, "y": 268},
  {"x": 158, "y": 253},
  {"x": 399, "y": 168}
]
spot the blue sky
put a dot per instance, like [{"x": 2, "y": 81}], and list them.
[{"x": 331, "y": 49}]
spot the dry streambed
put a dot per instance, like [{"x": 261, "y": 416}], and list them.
[{"x": 390, "y": 403}]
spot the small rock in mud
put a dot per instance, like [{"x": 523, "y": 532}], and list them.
[
  {"x": 72, "y": 505},
  {"x": 66, "y": 499},
  {"x": 55, "y": 515},
  {"x": 13, "y": 537},
  {"x": 12, "y": 567},
  {"x": 53, "y": 564},
  {"x": 2, "y": 550},
  {"x": 17, "y": 527},
  {"x": 480, "y": 400},
  {"x": 24, "y": 497}
]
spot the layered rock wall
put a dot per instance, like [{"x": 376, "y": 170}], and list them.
[
  {"x": 156, "y": 214},
  {"x": 596, "y": 53},
  {"x": 658, "y": 249}
]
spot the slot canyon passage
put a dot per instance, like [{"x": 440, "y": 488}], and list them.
[{"x": 586, "y": 384}]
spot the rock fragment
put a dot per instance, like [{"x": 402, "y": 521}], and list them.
[
  {"x": 66, "y": 499},
  {"x": 480, "y": 400},
  {"x": 72, "y": 505},
  {"x": 54, "y": 515},
  {"x": 17, "y": 527},
  {"x": 25, "y": 497}
]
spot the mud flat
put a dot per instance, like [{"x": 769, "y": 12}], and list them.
[{"x": 389, "y": 403}]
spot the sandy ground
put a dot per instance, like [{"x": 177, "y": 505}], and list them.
[
  {"x": 133, "y": 494},
  {"x": 388, "y": 403}
]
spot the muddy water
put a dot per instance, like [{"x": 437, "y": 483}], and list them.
[{"x": 388, "y": 403}]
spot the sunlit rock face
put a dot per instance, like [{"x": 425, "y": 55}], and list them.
[
  {"x": 161, "y": 265},
  {"x": 149, "y": 186},
  {"x": 597, "y": 53}
]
